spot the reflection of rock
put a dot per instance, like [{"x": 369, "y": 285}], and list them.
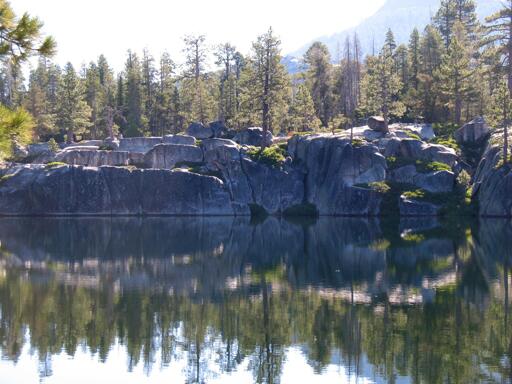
[
  {"x": 418, "y": 224},
  {"x": 412, "y": 207},
  {"x": 230, "y": 253}
]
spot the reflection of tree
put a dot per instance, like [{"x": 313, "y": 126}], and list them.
[{"x": 460, "y": 334}]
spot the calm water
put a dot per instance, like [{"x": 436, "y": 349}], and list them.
[{"x": 220, "y": 300}]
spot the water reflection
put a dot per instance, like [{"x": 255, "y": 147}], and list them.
[{"x": 413, "y": 301}]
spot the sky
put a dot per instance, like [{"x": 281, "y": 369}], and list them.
[{"x": 86, "y": 29}]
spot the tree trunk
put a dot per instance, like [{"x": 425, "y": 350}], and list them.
[{"x": 505, "y": 144}]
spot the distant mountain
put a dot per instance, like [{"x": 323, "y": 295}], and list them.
[{"x": 399, "y": 15}]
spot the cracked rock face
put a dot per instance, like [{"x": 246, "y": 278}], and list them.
[
  {"x": 323, "y": 171},
  {"x": 167, "y": 156},
  {"x": 76, "y": 190},
  {"x": 493, "y": 185}
]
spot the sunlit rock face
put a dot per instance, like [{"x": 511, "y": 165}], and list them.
[
  {"x": 341, "y": 174},
  {"x": 73, "y": 190},
  {"x": 492, "y": 185}
]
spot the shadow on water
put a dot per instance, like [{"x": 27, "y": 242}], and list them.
[{"x": 416, "y": 299}]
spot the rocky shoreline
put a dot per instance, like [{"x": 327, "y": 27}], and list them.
[{"x": 403, "y": 172}]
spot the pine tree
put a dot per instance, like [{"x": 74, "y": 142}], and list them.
[
  {"x": 348, "y": 80},
  {"x": 389, "y": 44},
  {"x": 382, "y": 87},
  {"x": 21, "y": 37},
  {"x": 319, "y": 80},
  {"x": 500, "y": 113},
  {"x": 414, "y": 59},
  {"x": 149, "y": 85},
  {"x": 197, "y": 88},
  {"x": 454, "y": 77},
  {"x": 266, "y": 83},
  {"x": 444, "y": 20},
  {"x": 227, "y": 57},
  {"x": 402, "y": 66},
  {"x": 136, "y": 122},
  {"x": 465, "y": 13},
  {"x": 302, "y": 111},
  {"x": 39, "y": 101},
  {"x": 164, "y": 109},
  {"x": 499, "y": 38},
  {"x": 431, "y": 53},
  {"x": 94, "y": 98},
  {"x": 74, "y": 113}
]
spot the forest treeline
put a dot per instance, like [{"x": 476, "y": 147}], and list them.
[{"x": 453, "y": 70}]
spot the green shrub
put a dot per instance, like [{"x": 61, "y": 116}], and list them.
[
  {"x": 417, "y": 194},
  {"x": 445, "y": 130},
  {"x": 413, "y": 135},
  {"x": 380, "y": 186},
  {"x": 55, "y": 164},
  {"x": 413, "y": 237},
  {"x": 421, "y": 166},
  {"x": 501, "y": 163},
  {"x": 433, "y": 166},
  {"x": 447, "y": 142},
  {"x": 358, "y": 142},
  {"x": 54, "y": 147},
  {"x": 273, "y": 156}
]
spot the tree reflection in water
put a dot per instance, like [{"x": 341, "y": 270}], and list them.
[{"x": 416, "y": 299}]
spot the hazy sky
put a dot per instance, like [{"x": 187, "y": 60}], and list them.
[{"x": 85, "y": 29}]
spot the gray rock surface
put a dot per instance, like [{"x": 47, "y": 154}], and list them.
[
  {"x": 199, "y": 131},
  {"x": 435, "y": 182},
  {"x": 218, "y": 128},
  {"x": 333, "y": 167},
  {"x": 253, "y": 136},
  {"x": 76, "y": 190},
  {"x": 167, "y": 156},
  {"x": 377, "y": 123},
  {"x": 472, "y": 132},
  {"x": 493, "y": 185},
  {"x": 179, "y": 139},
  {"x": 138, "y": 144},
  {"x": 93, "y": 158}
]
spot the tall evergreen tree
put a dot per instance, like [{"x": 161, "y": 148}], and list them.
[
  {"x": 444, "y": 20},
  {"x": 414, "y": 59},
  {"x": 227, "y": 57},
  {"x": 382, "y": 87},
  {"x": 196, "y": 87},
  {"x": 266, "y": 83},
  {"x": 136, "y": 122},
  {"x": 74, "y": 114},
  {"x": 431, "y": 53},
  {"x": 454, "y": 77},
  {"x": 319, "y": 80},
  {"x": 499, "y": 38},
  {"x": 302, "y": 111}
]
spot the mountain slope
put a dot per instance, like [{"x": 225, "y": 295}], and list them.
[{"x": 399, "y": 15}]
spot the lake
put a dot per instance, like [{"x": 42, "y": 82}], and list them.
[{"x": 235, "y": 300}]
